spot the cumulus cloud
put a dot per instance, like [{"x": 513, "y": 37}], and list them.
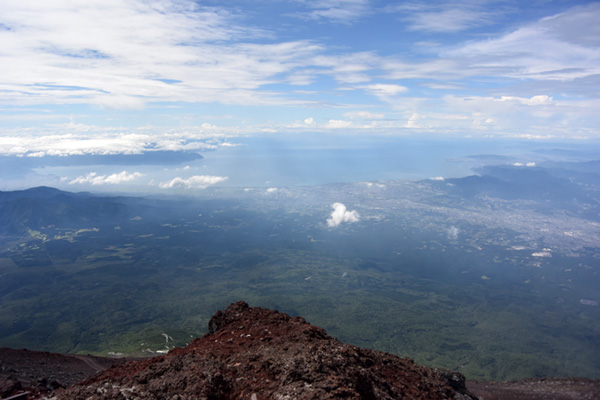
[
  {"x": 453, "y": 233},
  {"x": 229, "y": 144},
  {"x": 415, "y": 121},
  {"x": 341, "y": 214},
  {"x": 193, "y": 182},
  {"x": 371, "y": 184},
  {"x": 338, "y": 124},
  {"x": 79, "y": 139},
  {"x": 364, "y": 115},
  {"x": 544, "y": 254},
  {"x": 532, "y": 101},
  {"x": 114, "y": 179}
]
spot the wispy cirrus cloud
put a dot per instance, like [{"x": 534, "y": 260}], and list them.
[
  {"x": 105, "y": 53},
  {"x": 562, "y": 47},
  {"x": 384, "y": 90},
  {"x": 336, "y": 11},
  {"x": 444, "y": 17}
]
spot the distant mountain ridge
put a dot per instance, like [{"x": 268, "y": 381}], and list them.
[
  {"x": 43, "y": 206},
  {"x": 549, "y": 189}
]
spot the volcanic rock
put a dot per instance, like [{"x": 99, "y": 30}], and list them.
[
  {"x": 40, "y": 373},
  {"x": 254, "y": 353}
]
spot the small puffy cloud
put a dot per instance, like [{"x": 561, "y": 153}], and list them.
[
  {"x": 229, "y": 144},
  {"x": 531, "y": 101},
  {"x": 364, "y": 115},
  {"x": 414, "y": 121},
  {"x": 193, "y": 182},
  {"x": 453, "y": 233},
  {"x": 309, "y": 121},
  {"x": 371, "y": 185},
  {"x": 437, "y": 178},
  {"x": 338, "y": 124},
  {"x": 545, "y": 254},
  {"x": 341, "y": 214},
  {"x": 114, "y": 179}
]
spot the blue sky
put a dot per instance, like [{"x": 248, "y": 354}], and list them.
[{"x": 114, "y": 77}]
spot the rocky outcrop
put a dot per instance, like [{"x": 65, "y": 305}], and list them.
[
  {"x": 254, "y": 353},
  {"x": 39, "y": 373}
]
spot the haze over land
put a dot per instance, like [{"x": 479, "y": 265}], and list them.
[{"x": 421, "y": 179}]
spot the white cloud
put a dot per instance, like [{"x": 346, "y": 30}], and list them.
[
  {"x": 413, "y": 121},
  {"x": 348, "y": 68},
  {"x": 449, "y": 17},
  {"x": 539, "y": 116},
  {"x": 562, "y": 47},
  {"x": 545, "y": 254},
  {"x": 122, "y": 54},
  {"x": 338, "y": 124},
  {"x": 103, "y": 53},
  {"x": 371, "y": 184},
  {"x": 114, "y": 179},
  {"x": 79, "y": 139},
  {"x": 532, "y": 101},
  {"x": 385, "y": 89},
  {"x": 337, "y": 11},
  {"x": 364, "y": 115},
  {"x": 193, "y": 182},
  {"x": 341, "y": 214},
  {"x": 453, "y": 233}
]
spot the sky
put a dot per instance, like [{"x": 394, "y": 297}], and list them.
[{"x": 121, "y": 94}]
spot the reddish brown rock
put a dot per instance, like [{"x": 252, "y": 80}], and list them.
[
  {"x": 40, "y": 373},
  {"x": 254, "y": 353},
  {"x": 539, "y": 389}
]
